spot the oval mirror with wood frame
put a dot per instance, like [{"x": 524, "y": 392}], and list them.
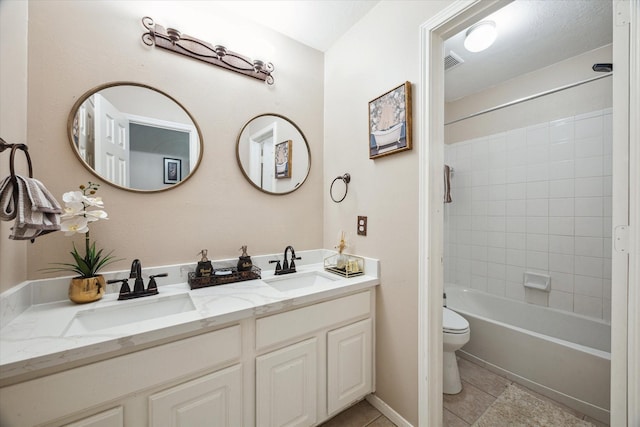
[
  {"x": 135, "y": 137},
  {"x": 273, "y": 154}
]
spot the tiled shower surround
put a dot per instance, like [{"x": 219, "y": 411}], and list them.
[{"x": 534, "y": 199}]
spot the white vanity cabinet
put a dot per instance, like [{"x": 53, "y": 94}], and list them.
[
  {"x": 349, "y": 365},
  {"x": 111, "y": 418},
  {"x": 286, "y": 385},
  {"x": 212, "y": 400},
  {"x": 133, "y": 383},
  {"x": 295, "y": 367},
  {"x": 314, "y": 361}
]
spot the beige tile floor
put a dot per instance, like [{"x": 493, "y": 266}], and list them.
[
  {"x": 481, "y": 388},
  {"x": 359, "y": 415}
]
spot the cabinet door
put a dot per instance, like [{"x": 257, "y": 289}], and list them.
[
  {"x": 349, "y": 370},
  {"x": 111, "y": 418},
  {"x": 212, "y": 400},
  {"x": 286, "y": 386}
]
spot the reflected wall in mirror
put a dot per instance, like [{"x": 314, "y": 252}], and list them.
[
  {"x": 273, "y": 154},
  {"x": 123, "y": 131}
]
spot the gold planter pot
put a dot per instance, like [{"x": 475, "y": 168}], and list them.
[{"x": 89, "y": 289}]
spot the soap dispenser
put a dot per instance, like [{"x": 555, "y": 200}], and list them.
[
  {"x": 204, "y": 268},
  {"x": 244, "y": 261}
]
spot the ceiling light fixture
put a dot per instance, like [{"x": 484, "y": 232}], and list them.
[{"x": 480, "y": 36}]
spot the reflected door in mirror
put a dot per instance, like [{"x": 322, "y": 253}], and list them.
[
  {"x": 273, "y": 154},
  {"x": 122, "y": 132}
]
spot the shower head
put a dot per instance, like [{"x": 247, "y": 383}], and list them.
[{"x": 603, "y": 68}]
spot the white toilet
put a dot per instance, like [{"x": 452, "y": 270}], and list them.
[{"x": 455, "y": 334}]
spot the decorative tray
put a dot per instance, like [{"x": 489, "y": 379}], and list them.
[
  {"x": 344, "y": 265},
  {"x": 223, "y": 276}
]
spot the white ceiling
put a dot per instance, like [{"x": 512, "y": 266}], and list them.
[
  {"x": 316, "y": 23},
  {"x": 532, "y": 34}
]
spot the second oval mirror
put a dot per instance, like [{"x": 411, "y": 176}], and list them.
[
  {"x": 273, "y": 154},
  {"x": 135, "y": 137}
]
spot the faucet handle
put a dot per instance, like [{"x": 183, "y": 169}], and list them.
[
  {"x": 277, "y": 261},
  {"x": 292, "y": 264},
  {"x": 153, "y": 286},
  {"x": 125, "y": 290}
]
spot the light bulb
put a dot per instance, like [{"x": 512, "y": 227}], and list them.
[{"x": 480, "y": 36}]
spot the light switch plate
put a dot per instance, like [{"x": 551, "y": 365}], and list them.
[{"x": 362, "y": 225}]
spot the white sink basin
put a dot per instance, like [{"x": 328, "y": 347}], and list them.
[
  {"x": 127, "y": 312},
  {"x": 296, "y": 281}
]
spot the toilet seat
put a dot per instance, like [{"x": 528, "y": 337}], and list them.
[{"x": 453, "y": 323}]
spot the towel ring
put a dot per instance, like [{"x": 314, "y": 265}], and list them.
[
  {"x": 4, "y": 145},
  {"x": 346, "y": 178},
  {"x": 25, "y": 149}
]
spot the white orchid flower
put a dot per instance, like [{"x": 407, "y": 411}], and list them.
[
  {"x": 73, "y": 197},
  {"x": 81, "y": 209},
  {"x": 76, "y": 224},
  {"x": 73, "y": 209},
  {"x": 93, "y": 201},
  {"x": 95, "y": 215}
]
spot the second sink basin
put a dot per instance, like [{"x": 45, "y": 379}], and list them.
[
  {"x": 300, "y": 280},
  {"x": 126, "y": 312}
]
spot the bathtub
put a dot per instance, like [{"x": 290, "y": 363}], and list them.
[
  {"x": 388, "y": 136},
  {"x": 561, "y": 355}
]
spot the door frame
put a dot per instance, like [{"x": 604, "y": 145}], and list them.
[
  {"x": 191, "y": 130},
  {"x": 625, "y": 355}
]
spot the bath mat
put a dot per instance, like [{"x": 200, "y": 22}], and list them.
[{"x": 516, "y": 407}]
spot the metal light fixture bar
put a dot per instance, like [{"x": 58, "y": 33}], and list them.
[{"x": 171, "y": 39}]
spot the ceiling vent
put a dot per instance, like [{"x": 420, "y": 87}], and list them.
[{"x": 452, "y": 60}]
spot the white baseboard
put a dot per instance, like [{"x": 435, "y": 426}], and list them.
[{"x": 387, "y": 411}]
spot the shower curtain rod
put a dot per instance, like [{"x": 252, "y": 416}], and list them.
[{"x": 529, "y": 98}]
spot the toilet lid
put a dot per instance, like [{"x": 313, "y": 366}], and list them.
[{"x": 452, "y": 322}]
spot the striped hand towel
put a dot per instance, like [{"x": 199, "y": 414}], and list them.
[{"x": 35, "y": 210}]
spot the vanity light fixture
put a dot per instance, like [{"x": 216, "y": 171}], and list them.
[
  {"x": 173, "y": 40},
  {"x": 258, "y": 65},
  {"x": 480, "y": 36},
  {"x": 220, "y": 50},
  {"x": 174, "y": 35}
]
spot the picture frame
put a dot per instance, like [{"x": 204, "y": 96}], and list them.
[
  {"x": 390, "y": 122},
  {"x": 282, "y": 155},
  {"x": 172, "y": 170}
]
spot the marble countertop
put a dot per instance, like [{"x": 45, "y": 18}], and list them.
[{"x": 39, "y": 341}]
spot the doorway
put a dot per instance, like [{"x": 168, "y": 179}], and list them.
[{"x": 446, "y": 24}]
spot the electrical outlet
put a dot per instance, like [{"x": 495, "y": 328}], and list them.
[{"x": 362, "y": 225}]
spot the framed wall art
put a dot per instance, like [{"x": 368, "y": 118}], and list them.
[
  {"x": 172, "y": 170},
  {"x": 390, "y": 122},
  {"x": 283, "y": 159}
]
